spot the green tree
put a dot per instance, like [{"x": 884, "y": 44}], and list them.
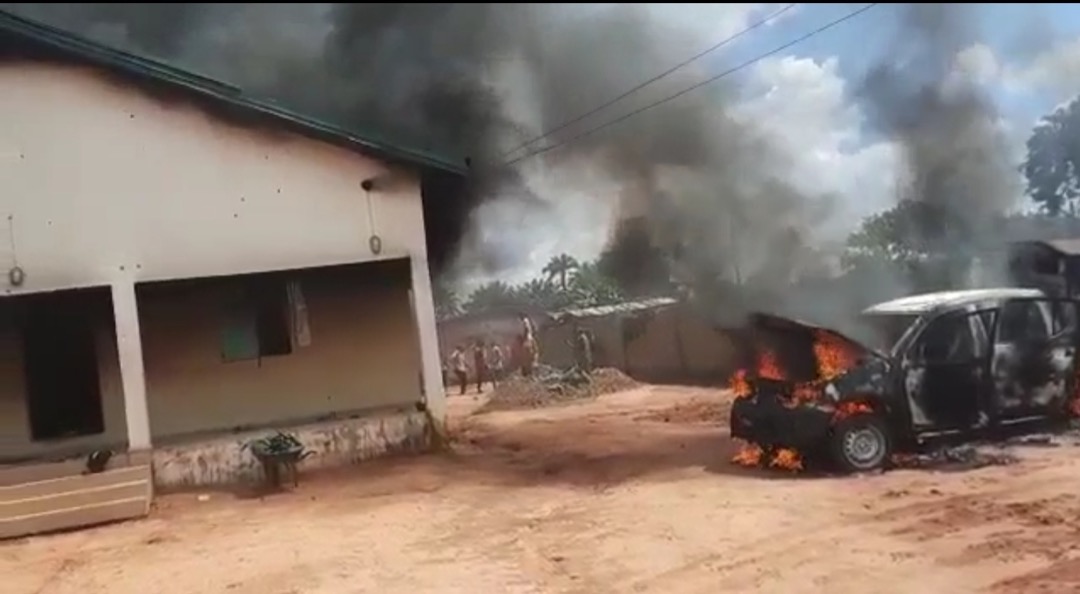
[
  {"x": 560, "y": 267},
  {"x": 1052, "y": 165},
  {"x": 541, "y": 292},
  {"x": 590, "y": 287},
  {"x": 447, "y": 301},
  {"x": 927, "y": 246},
  {"x": 492, "y": 295}
]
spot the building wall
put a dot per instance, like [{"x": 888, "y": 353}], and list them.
[
  {"x": 364, "y": 355},
  {"x": 104, "y": 181},
  {"x": 665, "y": 344}
]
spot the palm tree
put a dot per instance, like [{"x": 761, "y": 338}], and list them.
[
  {"x": 539, "y": 292},
  {"x": 590, "y": 287},
  {"x": 492, "y": 295},
  {"x": 560, "y": 267},
  {"x": 447, "y": 301}
]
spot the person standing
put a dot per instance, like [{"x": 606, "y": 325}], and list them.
[
  {"x": 583, "y": 355},
  {"x": 457, "y": 364},
  {"x": 480, "y": 365},
  {"x": 530, "y": 350},
  {"x": 496, "y": 360}
]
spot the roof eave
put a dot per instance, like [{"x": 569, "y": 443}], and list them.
[{"x": 78, "y": 48}]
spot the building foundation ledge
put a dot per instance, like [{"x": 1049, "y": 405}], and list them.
[{"x": 221, "y": 460}]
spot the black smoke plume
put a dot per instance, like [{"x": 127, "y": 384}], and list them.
[
  {"x": 695, "y": 185},
  {"x": 955, "y": 158},
  {"x": 436, "y": 76}
]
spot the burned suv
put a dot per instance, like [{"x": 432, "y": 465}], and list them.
[{"x": 960, "y": 363}]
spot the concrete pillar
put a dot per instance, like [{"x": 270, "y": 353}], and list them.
[
  {"x": 431, "y": 365},
  {"x": 129, "y": 348}
]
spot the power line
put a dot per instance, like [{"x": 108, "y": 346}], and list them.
[
  {"x": 689, "y": 89},
  {"x": 637, "y": 88}
]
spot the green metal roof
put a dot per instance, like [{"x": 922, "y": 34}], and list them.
[{"x": 80, "y": 49}]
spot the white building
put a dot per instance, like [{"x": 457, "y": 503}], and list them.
[{"x": 182, "y": 269}]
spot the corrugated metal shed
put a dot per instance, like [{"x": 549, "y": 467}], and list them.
[
  {"x": 625, "y": 307},
  {"x": 1068, "y": 247}
]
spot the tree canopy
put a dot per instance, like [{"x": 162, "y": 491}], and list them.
[
  {"x": 563, "y": 283},
  {"x": 1052, "y": 165}
]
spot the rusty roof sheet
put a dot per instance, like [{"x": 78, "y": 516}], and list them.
[
  {"x": 616, "y": 308},
  {"x": 1069, "y": 247}
]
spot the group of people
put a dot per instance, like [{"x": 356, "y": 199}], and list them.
[{"x": 488, "y": 363}]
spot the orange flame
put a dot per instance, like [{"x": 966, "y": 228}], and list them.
[
  {"x": 851, "y": 408},
  {"x": 834, "y": 355},
  {"x": 738, "y": 384},
  {"x": 787, "y": 459},
  {"x": 769, "y": 366},
  {"x": 803, "y": 393},
  {"x": 748, "y": 455}
]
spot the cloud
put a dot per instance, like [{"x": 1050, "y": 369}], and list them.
[
  {"x": 803, "y": 104},
  {"x": 716, "y": 22},
  {"x": 1055, "y": 70}
]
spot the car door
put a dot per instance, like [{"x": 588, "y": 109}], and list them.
[
  {"x": 946, "y": 371},
  {"x": 1034, "y": 357}
]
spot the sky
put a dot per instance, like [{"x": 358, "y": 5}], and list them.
[{"x": 1026, "y": 56}]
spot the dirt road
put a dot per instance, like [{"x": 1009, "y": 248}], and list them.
[{"x": 631, "y": 493}]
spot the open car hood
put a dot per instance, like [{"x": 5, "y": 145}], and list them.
[
  {"x": 779, "y": 324},
  {"x": 792, "y": 343}
]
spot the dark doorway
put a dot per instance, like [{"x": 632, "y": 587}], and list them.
[{"x": 60, "y": 360}]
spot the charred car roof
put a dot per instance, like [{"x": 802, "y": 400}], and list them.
[{"x": 946, "y": 300}]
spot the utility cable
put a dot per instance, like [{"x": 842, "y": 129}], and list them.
[
  {"x": 694, "y": 87},
  {"x": 667, "y": 72}
]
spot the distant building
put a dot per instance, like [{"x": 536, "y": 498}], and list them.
[
  {"x": 657, "y": 339},
  {"x": 1051, "y": 265}
]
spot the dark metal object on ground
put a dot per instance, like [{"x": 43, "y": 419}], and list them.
[{"x": 281, "y": 452}]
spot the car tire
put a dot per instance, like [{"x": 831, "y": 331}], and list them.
[{"x": 860, "y": 443}]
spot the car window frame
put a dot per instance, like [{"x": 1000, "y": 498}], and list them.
[
  {"x": 1052, "y": 333},
  {"x": 913, "y": 353}
]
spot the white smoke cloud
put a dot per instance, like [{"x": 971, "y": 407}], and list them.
[{"x": 1055, "y": 70}]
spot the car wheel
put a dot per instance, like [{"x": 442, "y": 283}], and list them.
[{"x": 860, "y": 444}]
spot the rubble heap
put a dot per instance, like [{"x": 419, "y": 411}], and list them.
[
  {"x": 550, "y": 385},
  {"x": 962, "y": 457}
]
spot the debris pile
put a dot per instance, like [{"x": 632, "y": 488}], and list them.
[
  {"x": 963, "y": 457},
  {"x": 550, "y": 385},
  {"x": 608, "y": 380}
]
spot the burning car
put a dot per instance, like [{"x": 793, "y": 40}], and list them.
[{"x": 956, "y": 363}]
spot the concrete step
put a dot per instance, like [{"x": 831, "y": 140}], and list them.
[
  {"x": 77, "y": 517},
  {"x": 74, "y": 501},
  {"x": 17, "y": 474},
  {"x": 73, "y": 498},
  {"x": 71, "y": 483}
]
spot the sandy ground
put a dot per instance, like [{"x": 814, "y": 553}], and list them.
[{"x": 630, "y": 493}]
